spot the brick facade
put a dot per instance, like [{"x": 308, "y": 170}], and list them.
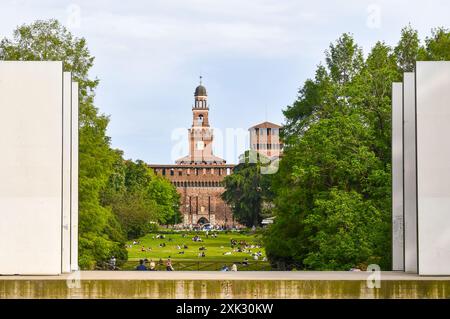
[
  {"x": 200, "y": 187},
  {"x": 265, "y": 139}
]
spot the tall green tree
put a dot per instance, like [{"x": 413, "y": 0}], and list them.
[
  {"x": 437, "y": 46},
  {"x": 333, "y": 189},
  {"x": 139, "y": 198},
  {"x": 248, "y": 188},
  {"x": 407, "y": 49}
]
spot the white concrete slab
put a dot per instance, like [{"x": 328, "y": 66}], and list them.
[
  {"x": 433, "y": 167},
  {"x": 397, "y": 177},
  {"x": 409, "y": 166},
  {"x": 74, "y": 179},
  {"x": 31, "y": 95},
  {"x": 67, "y": 168}
]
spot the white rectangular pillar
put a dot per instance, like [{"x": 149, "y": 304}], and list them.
[
  {"x": 31, "y": 95},
  {"x": 397, "y": 177},
  {"x": 433, "y": 167},
  {"x": 67, "y": 158},
  {"x": 409, "y": 177},
  {"x": 74, "y": 179}
]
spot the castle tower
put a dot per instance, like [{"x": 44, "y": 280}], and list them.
[
  {"x": 199, "y": 176},
  {"x": 200, "y": 134}
]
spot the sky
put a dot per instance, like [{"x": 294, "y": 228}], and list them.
[{"x": 253, "y": 55}]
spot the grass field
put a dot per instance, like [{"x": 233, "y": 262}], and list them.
[{"x": 218, "y": 250}]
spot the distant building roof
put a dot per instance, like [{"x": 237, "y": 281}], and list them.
[{"x": 266, "y": 125}]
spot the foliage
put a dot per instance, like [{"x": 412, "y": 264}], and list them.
[
  {"x": 333, "y": 191},
  {"x": 139, "y": 198},
  {"x": 247, "y": 189}
]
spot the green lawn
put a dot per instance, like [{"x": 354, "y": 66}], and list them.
[{"x": 189, "y": 259}]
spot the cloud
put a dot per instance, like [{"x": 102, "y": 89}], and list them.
[{"x": 253, "y": 53}]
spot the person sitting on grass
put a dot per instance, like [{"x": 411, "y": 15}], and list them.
[
  {"x": 141, "y": 265},
  {"x": 245, "y": 262},
  {"x": 112, "y": 262},
  {"x": 185, "y": 246},
  {"x": 152, "y": 265},
  {"x": 234, "y": 267},
  {"x": 169, "y": 266}
]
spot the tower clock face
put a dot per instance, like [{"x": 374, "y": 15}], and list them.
[{"x": 200, "y": 145}]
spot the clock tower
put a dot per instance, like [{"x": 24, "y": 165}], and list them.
[
  {"x": 200, "y": 134},
  {"x": 198, "y": 177}
]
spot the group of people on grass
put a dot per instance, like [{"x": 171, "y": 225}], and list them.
[
  {"x": 152, "y": 265},
  {"x": 225, "y": 268},
  {"x": 239, "y": 246},
  {"x": 169, "y": 267}
]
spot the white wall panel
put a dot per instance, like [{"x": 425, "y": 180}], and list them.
[
  {"x": 433, "y": 167},
  {"x": 397, "y": 177},
  {"x": 409, "y": 177},
  {"x": 74, "y": 179},
  {"x": 30, "y": 167},
  {"x": 67, "y": 158}
]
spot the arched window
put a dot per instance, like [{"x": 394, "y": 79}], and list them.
[{"x": 200, "y": 120}]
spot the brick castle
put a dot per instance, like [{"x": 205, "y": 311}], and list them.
[{"x": 199, "y": 176}]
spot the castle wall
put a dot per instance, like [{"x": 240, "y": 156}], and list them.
[{"x": 200, "y": 187}]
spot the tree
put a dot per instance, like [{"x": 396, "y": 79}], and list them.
[
  {"x": 407, "y": 49},
  {"x": 247, "y": 189},
  {"x": 139, "y": 199},
  {"x": 49, "y": 40},
  {"x": 332, "y": 192},
  {"x": 167, "y": 199},
  {"x": 344, "y": 59},
  {"x": 437, "y": 46},
  {"x": 344, "y": 237}
]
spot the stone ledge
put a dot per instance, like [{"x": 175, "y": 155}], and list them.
[{"x": 244, "y": 285}]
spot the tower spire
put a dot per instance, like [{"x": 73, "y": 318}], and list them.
[{"x": 201, "y": 77}]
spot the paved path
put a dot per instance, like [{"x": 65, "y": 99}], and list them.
[{"x": 243, "y": 275}]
